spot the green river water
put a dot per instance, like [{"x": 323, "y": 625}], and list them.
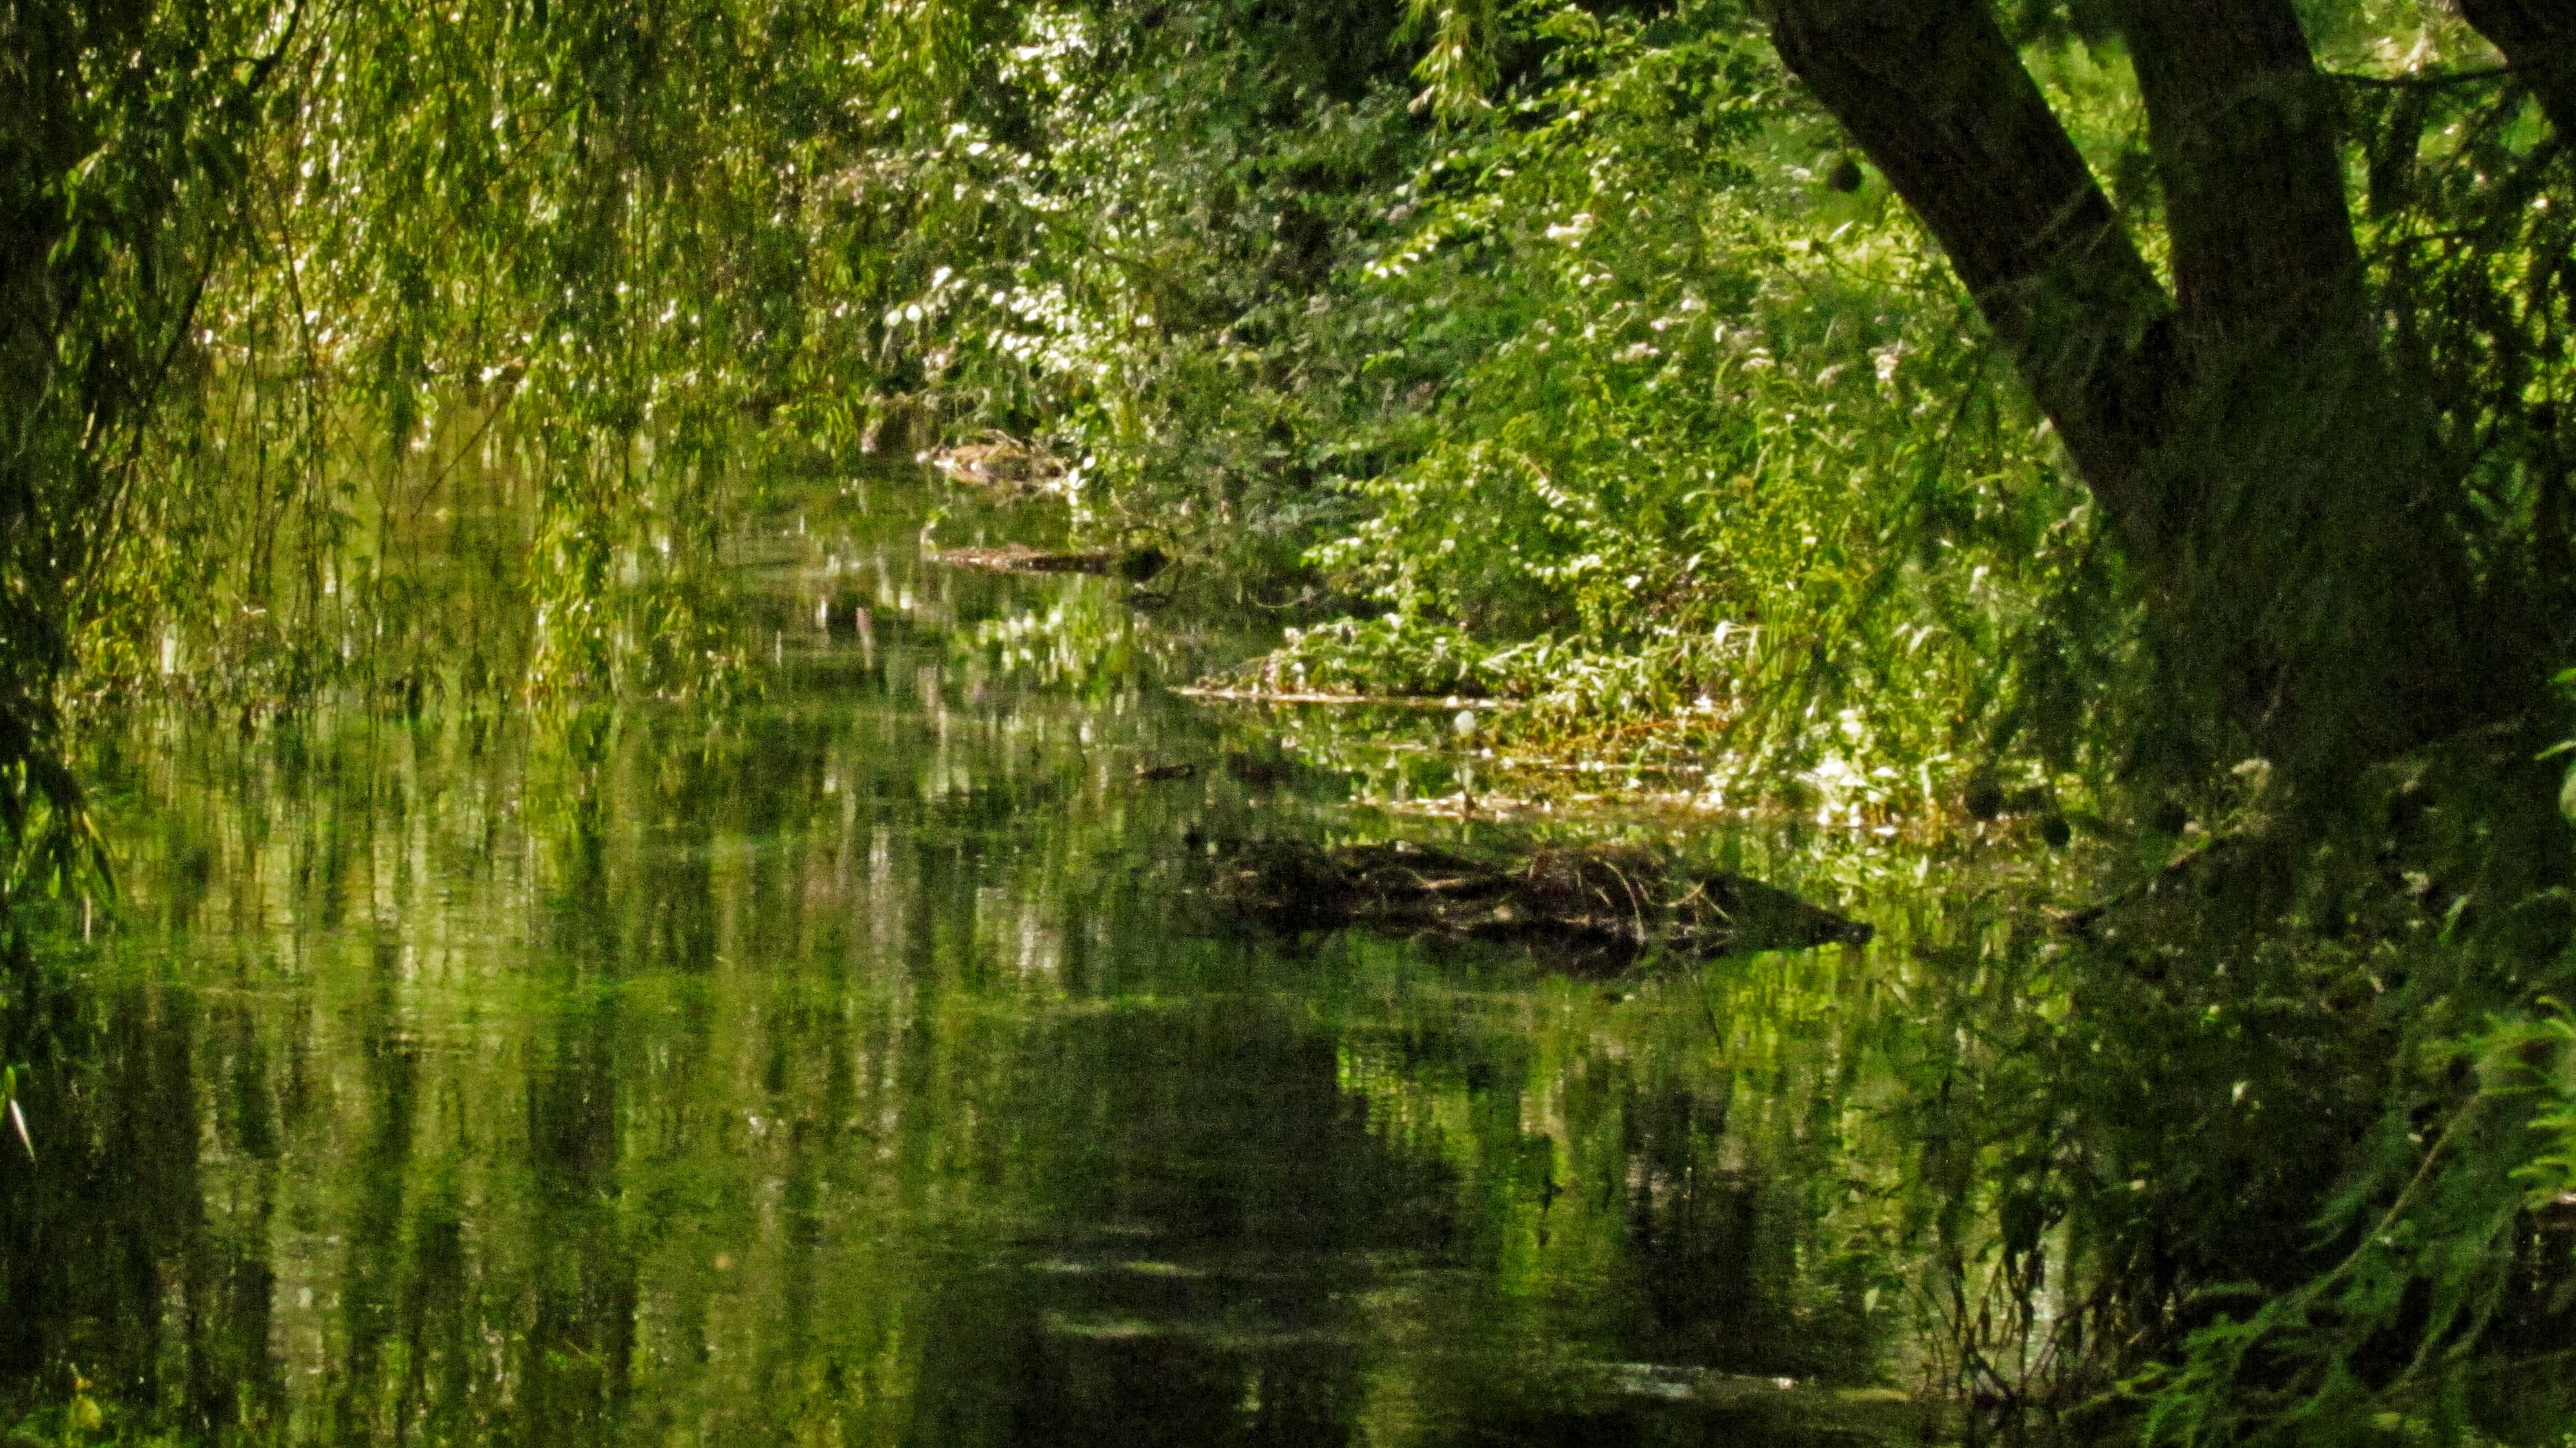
[{"x": 863, "y": 1065}]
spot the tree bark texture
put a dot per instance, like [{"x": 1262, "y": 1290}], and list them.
[
  {"x": 2318, "y": 547},
  {"x": 2285, "y": 502},
  {"x": 1937, "y": 97},
  {"x": 2243, "y": 135}
]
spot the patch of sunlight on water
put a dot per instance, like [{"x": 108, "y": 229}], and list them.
[{"x": 862, "y": 1067}]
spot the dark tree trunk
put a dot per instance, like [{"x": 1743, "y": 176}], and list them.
[
  {"x": 2538, "y": 38},
  {"x": 2244, "y": 141},
  {"x": 2285, "y": 502},
  {"x": 2322, "y": 588},
  {"x": 1939, "y": 100}
]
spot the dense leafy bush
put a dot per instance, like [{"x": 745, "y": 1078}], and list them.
[
  {"x": 1606, "y": 380},
  {"x": 1560, "y": 352}
]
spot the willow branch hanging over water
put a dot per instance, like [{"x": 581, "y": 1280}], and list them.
[
  {"x": 302, "y": 296},
  {"x": 2145, "y": 419}
]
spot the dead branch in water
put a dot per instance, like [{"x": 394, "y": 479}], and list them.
[
  {"x": 1607, "y": 903},
  {"x": 1019, "y": 558}
]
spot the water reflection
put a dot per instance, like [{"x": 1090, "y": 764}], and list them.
[{"x": 860, "y": 1067}]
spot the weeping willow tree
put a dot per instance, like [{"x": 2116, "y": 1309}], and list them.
[
  {"x": 2163, "y": 413},
  {"x": 611, "y": 246},
  {"x": 2347, "y": 542},
  {"x": 127, "y": 140},
  {"x": 309, "y": 303}
]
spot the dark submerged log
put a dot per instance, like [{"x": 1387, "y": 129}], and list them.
[{"x": 1605, "y": 904}]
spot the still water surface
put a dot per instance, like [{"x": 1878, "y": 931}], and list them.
[{"x": 861, "y": 1066}]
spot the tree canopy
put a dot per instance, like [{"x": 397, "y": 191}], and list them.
[{"x": 2152, "y": 411}]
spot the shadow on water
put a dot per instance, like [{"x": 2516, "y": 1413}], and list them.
[{"x": 857, "y": 1066}]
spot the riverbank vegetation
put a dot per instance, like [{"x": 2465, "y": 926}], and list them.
[{"x": 2151, "y": 428}]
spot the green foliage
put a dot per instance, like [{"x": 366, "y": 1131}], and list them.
[
  {"x": 1190, "y": 180},
  {"x": 80, "y": 1421},
  {"x": 589, "y": 288},
  {"x": 1547, "y": 352},
  {"x": 1609, "y": 386},
  {"x": 1594, "y": 392},
  {"x": 127, "y": 128},
  {"x": 2274, "y": 1119},
  {"x": 514, "y": 292}
]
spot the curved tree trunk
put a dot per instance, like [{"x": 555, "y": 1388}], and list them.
[
  {"x": 2285, "y": 501},
  {"x": 2323, "y": 590},
  {"x": 1937, "y": 97}
]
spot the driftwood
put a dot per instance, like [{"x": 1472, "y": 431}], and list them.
[
  {"x": 1002, "y": 464},
  {"x": 1128, "y": 563},
  {"x": 1609, "y": 900},
  {"x": 1019, "y": 558},
  {"x": 1384, "y": 701}
]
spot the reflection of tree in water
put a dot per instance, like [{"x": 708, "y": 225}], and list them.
[
  {"x": 855, "y": 1070},
  {"x": 574, "y": 1362},
  {"x": 581, "y": 1337},
  {"x": 121, "y": 1265},
  {"x": 370, "y": 1283},
  {"x": 1206, "y": 1203},
  {"x": 1653, "y": 1233},
  {"x": 1714, "y": 1245}
]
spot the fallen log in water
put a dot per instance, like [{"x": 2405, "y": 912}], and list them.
[
  {"x": 1130, "y": 563},
  {"x": 1612, "y": 899},
  {"x": 1003, "y": 465},
  {"x": 1020, "y": 558}
]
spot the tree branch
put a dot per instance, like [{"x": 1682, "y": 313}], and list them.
[
  {"x": 1937, "y": 97},
  {"x": 2539, "y": 38}
]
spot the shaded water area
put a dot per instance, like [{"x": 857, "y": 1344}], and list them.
[{"x": 866, "y": 1064}]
